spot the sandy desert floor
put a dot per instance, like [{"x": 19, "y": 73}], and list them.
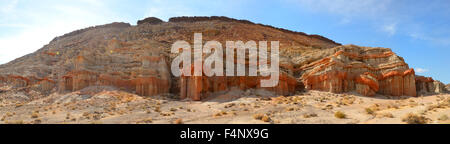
[{"x": 234, "y": 107}]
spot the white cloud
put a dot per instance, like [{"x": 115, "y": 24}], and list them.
[
  {"x": 9, "y": 6},
  {"x": 439, "y": 40},
  {"x": 391, "y": 29},
  {"x": 421, "y": 70}
]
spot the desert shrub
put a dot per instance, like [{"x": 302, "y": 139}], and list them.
[
  {"x": 266, "y": 118},
  {"x": 309, "y": 115},
  {"x": 443, "y": 118},
  {"x": 16, "y": 122},
  {"x": 290, "y": 109},
  {"x": 414, "y": 119},
  {"x": 147, "y": 120},
  {"x": 388, "y": 115},
  {"x": 35, "y": 115},
  {"x": 258, "y": 116},
  {"x": 369, "y": 111},
  {"x": 340, "y": 115}
]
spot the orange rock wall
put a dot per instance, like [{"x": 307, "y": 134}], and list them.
[
  {"x": 335, "y": 76},
  {"x": 200, "y": 87},
  {"x": 144, "y": 86}
]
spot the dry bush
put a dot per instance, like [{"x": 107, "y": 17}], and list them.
[
  {"x": 68, "y": 116},
  {"x": 258, "y": 116},
  {"x": 443, "y": 118},
  {"x": 178, "y": 121},
  {"x": 262, "y": 117},
  {"x": 35, "y": 114},
  {"x": 146, "y": 121},
  {"x": 340, "y": 115},
  {"x": 222, "y": 113},
  {"x": 387, "y": 115},
  {"x": 37, "y": 121},
  {"x": 288, "y": 109},
  {"x": 166, "y": 113},
  {"x": 369, "y": 111},
  {"x": 8, "y": 114},
  {"x": 229, "y": 105},
  {"x": 309, "y": 115},
  {"x": 15, "y": 122},
  {"x": 414, "y": 119},
  {"x": 266, "y": 118}
]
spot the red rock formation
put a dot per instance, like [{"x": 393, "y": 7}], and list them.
[
  {"x": 397, "y": 83},
  {"x": 366, "y": 70},
  {"x": 200, "y": 87},
  {"x": 151, "y": 79},
  {"x": 18, "y": 81},
  {"x": 426, "y": 85},
  {"x": 151, "y": 86},
  {"x": 45, "y": 85},
  {"x": 2, "y": 79},
  {"x": 135, "y": 59},
  {"x": 367, "y": 84}
]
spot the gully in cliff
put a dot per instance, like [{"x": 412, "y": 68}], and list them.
[{"x": 213, "y": 64}]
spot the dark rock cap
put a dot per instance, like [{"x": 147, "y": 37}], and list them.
[{"x": 150, "y": 20}]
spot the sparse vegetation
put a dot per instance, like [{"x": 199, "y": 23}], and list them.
[
  {"x": 266, "y": 118},
  {"x": 8, "y": 114},
  {"x": 35, "y": 114},
  {"x": 290, "y": 109},
  {"x": 385, "y": 115},
  {"x": 262, "y": 117},
  {"x": 443, "y": 118},
  {"x": 414, "y": 119},
  {"x": 222, "y": 113},
  {"x": 369, "y": 111},
  {"x": 258, "y": 116},
  {"x": 15, "y": 122},
  {"x": 309, "y": 115},
  {"x": 340, "y": 115},
  {"x": 145, "y": 121},
  {"x": 37, "y": 121}
]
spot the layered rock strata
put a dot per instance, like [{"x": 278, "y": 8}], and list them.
[
  {"x": 136, "y": 59},
  {"x": 363, "y": 69}
]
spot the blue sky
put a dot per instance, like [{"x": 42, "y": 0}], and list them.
[{"x": 417, "y": 30}]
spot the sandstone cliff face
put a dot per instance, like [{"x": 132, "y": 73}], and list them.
[
  {"x": 426, "y": 85},
  {"x": 137, "y": 58},
  {"x": 365, "y": 70}
]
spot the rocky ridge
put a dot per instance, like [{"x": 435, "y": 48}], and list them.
[{"x": 136, "y": 59}]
